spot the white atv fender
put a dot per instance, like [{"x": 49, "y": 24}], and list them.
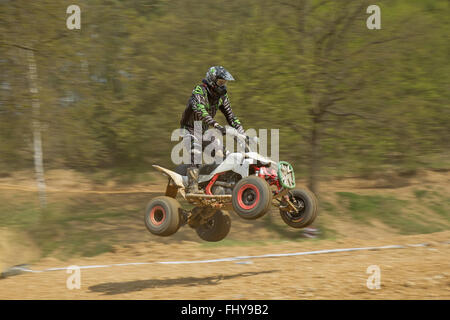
[
  {"x": 260, "y": 158},
  {"x": 175, "y": 177}
]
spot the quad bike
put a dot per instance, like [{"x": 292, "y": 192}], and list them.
[{"x": 245, "y": 182}]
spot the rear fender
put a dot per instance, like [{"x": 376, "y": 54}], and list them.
[{"x": 175, "y": 181}]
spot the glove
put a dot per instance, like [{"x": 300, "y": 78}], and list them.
[
  {"x": 240, "y": 130},
  {"x": 220, "y": 128}
]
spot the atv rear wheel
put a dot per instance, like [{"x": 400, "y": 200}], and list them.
[
  {"x": 216, "y": 228},
  {"x": 162, "y": 217},
  {"x": 251, "y": 198},
  {"x": 306, "y": 209}
]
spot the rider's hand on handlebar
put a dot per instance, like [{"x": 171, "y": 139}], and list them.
[
  {"x": 251, "y": 139},
  {"x": 220, "y": 128}
]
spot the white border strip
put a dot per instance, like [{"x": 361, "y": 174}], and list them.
[{"x": 273, "y": 255}]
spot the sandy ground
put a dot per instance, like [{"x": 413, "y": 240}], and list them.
[{"x": 409, "y": 273}]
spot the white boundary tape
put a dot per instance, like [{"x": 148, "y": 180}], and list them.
[{"x": 273, "y": 255}]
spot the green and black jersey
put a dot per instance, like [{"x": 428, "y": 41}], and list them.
[{"x": 203, "y": 107}]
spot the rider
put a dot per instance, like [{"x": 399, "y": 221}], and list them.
[{"x": 202, "y": 106}]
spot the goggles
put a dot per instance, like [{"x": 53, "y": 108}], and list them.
[{"x": 221, "y": 82}]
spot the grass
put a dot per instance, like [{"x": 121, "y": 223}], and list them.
[
  {"x": 123, "y": 177},
  {"x": 84, "y": 225},
  {"x": 441, "y": 208},
  {"x": 435, "y": 202},
  {"x": 420, "y": 194},
  {"x": 393, "y": 212},
  {"x": 364, "y": 207},
  {"x": 328, "y": 207}
]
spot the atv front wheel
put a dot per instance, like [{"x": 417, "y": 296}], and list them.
[
  {"x": 162, "y": 217},
  {"x": 251, "y": 198},
  {"x": 306, "y": 208},
  {"x": 216, "y": 228}
]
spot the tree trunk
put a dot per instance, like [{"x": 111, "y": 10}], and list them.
[{"x": 37, "y": 139}]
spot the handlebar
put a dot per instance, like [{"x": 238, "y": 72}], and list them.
[
  {"x": 233, "y": 132},
  {"x": 241, "y": 137}
]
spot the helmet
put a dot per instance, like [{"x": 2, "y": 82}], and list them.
[{"x": 216, "y": 78}]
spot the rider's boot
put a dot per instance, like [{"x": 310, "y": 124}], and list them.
[{"x": 192, "y": 173}]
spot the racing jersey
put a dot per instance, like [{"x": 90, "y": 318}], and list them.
[{"x": 203, "y": 106}]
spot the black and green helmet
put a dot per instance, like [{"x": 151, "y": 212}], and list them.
[{"x": 217, "y": 76}]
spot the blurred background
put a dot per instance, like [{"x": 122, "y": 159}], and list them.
[{"x": 363, "y": 114}]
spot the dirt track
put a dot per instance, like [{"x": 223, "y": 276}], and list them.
[{"x": 411, "y": 273}]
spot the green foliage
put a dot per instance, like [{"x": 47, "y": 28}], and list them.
[{"x": 112, "y": 92}]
